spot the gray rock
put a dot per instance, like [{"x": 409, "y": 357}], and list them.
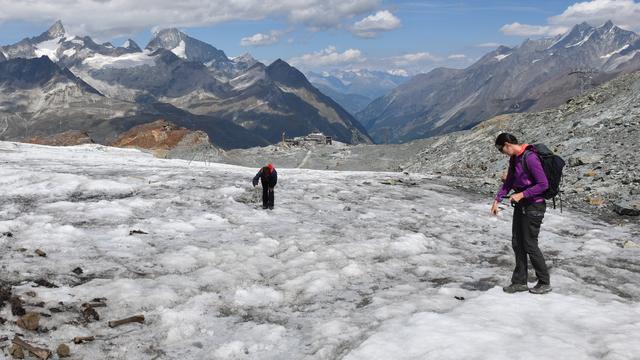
[
  {"x": 583, "y": 159},
  {"x": 63, "y": 351},
  {"x": 629, "y": 206}
]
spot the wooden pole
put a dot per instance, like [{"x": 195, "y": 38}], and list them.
[
  {"x": 137, "y": 318},
  {"x": 41, "y": 353}
]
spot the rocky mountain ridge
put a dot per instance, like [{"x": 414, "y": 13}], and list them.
[
  {"x": 536, "y": 75},
  {"x": 176, "y": 73}
]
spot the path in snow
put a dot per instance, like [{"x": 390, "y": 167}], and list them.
[
  {"x": 349, "y": 265},
  {"x": 304, "y": 161}
]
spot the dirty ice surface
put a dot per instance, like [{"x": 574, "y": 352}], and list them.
[{"x": 349, "y": 265}]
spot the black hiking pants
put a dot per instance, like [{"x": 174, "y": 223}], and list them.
[
  {"x": 268, "y": 197},
  {"x": 527, "y": 219}
]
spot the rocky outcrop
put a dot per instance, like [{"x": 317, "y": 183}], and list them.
[
  {"x": 163, "y": 138},
  {"x": 67, "y": 138}
]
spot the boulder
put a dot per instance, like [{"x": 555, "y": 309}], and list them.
[
  {"x": 582, "y": 159},
  {"x": 595, "y": 201},
  {"x": 63, "y": 351},
  {"x": 628, "y": 206},
  {"x": 29, "y": 321}
]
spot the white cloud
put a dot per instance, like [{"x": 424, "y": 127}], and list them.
[
  {"x": 328, "y": 57},
  {"x": 262, "y": 39},
  {"x": 398, "y": 72},
  {"x": 517, "y": 29},
  {"x": 624, "y": 13},
  {"x": 488, "y": 45},
  {"x": 353, "y": 59},
  {"x": 414, "y": 58},
  {"x": 124, "y": 17},
  {"x": 372, "y": 24}
]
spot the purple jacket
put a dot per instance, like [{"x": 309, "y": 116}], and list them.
[{"x": 534, "y": 183}]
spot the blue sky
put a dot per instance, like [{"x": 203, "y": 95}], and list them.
[{"x": 407, "y": 35}]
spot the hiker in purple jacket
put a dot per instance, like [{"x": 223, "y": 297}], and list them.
[{"x": 528, "y": 185}]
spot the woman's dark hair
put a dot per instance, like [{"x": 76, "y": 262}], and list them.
[{"x": 506, "y": 138}]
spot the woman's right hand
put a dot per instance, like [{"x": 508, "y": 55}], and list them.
[{"x": 494, "y": 207}]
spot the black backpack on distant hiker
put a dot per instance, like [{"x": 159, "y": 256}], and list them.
[{"x": 552, "y": 165}]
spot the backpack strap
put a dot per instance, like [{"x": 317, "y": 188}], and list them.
[
  {"x": 530, "y": 149},
  {"x": 512, "y": 167},
  {"x": 524, "y": 161}
]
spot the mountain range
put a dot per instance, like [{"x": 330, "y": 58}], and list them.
[
  {"x": 535, "y": 75},
  {"x": 56, "y": 82},
  {"x": 355, "y": 89}
]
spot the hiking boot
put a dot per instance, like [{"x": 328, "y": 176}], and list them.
[
  {"x": 270, "y": 207},
  {"x": 540, "y": 289},
  {"x": 514, "y": 288}
]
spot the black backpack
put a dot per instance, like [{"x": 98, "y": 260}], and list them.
[{"x": 552, "y": 165}]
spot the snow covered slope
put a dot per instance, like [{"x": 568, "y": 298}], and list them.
[{"x": 353, "y": 265}]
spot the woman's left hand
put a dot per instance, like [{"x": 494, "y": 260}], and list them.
[{"x": 516, "y": 197}]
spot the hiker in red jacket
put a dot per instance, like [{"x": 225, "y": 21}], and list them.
[
  {"x": 268, "y": 177},
  {"x": 529, "y": 182}
]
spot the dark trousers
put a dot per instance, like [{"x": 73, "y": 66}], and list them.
[
  {"x": 526, "y": 227},
  {"x": 268, "y": 197}
]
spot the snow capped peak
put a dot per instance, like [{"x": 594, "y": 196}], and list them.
[
  {"x": 583, "y": 26},
  {"x": 170, "y": 34},
  {"x": 56, "y": 30},
  {"x": 170, "y": 39},
  {"x": 186, "y": 47},
  {"x": 503, "y": 49},
  {"x": 608, "y": 25},
  {"x": 577, "y": 36},
  {"x": 610, "y": 30},
  {"x": 246, "y": 58},
  {"x": 581, "y": 29},
  {"x": 131, "y": 45},
  {"x": 168, "y": 30}
]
